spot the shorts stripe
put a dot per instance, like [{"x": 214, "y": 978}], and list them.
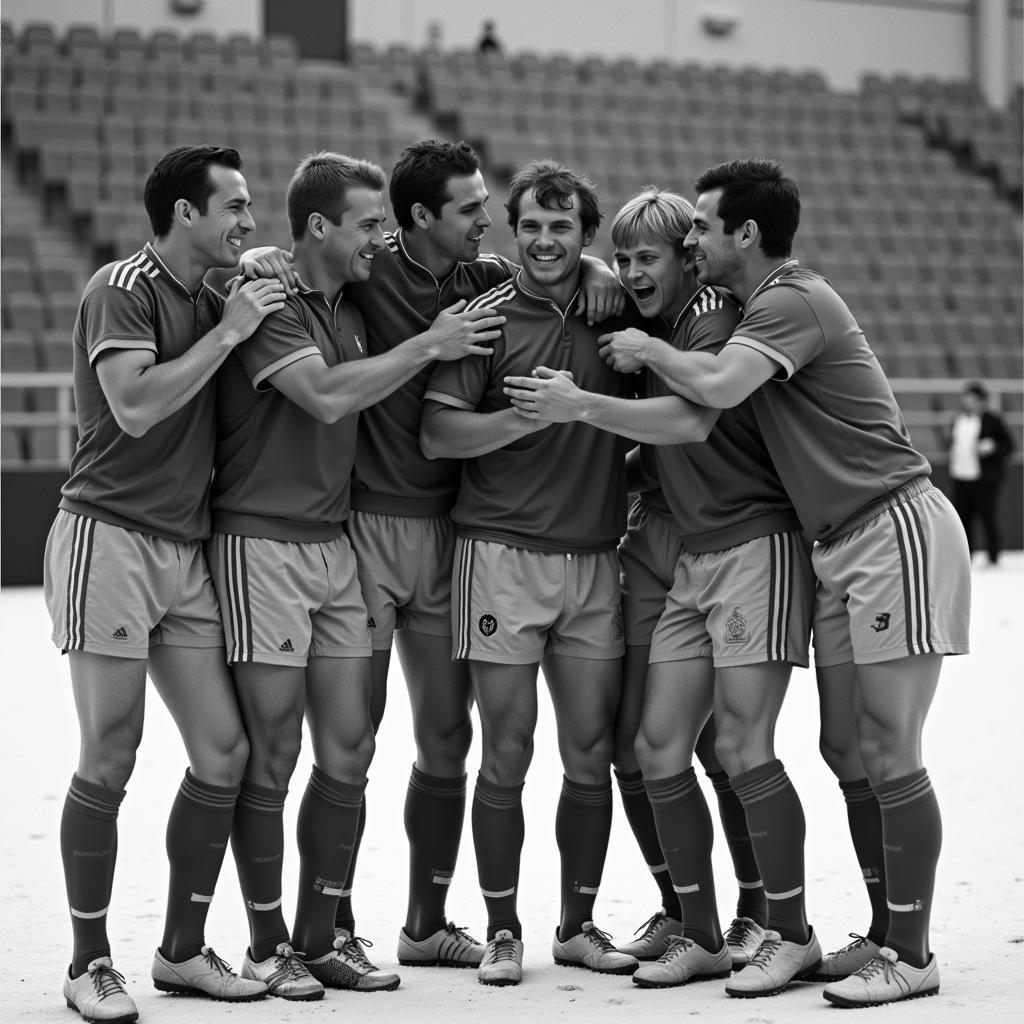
[
  {"x": 464, "y": 627},
  {"x": 78, "y": 580},
  {"x": 780, "y": 600},
  {"x": 914, "y": 557},
  {"x": 239, "y": 611}
]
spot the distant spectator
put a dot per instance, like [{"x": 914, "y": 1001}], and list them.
[
  {"x": 488, "y": 41},
  {"x": 978, "y": 445}
]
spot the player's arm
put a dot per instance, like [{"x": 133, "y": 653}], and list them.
[
  {"x": 332, "y": 392},
  {"x": 452, "y": 432},
  {"x": 719, "y": 380},
  {"x": 142, "y": 392},
  {"x": 551, "y": 396},
  {"x": 602, "y": 294},
  {"x": 270, "y": 261}
]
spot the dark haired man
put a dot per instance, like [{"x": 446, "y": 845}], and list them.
[
  {"x": 887, "y": 610},
  {"x": 399, "y": 526},
  {"x": 539, "y": 514},
  {"x": 126, "y": 584}
]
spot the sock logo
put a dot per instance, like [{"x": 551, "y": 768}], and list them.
[
  {"x": 881, "y": 622},
  {"x": 736, "y": 628},
  {"x": 119, "y": 634},
  {"x": 488, "y": 624},
  {"x": 286, "y": 646}
]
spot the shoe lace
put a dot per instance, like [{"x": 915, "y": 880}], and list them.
[
  {"x": 766, "y": 952},
  {"x": 461, "y": 936},
  {"x": 352, "y": 950},
  {"x": 878, "y": 965},
  {"x": 503, "y": 949},
  {"x": 288, "y": 966},
  {"x": 739, "y": 932},
  {"x": 650, "y": 926},
  {"x": 107, "y": 981},
  {"x": 601, "y": 939},
  {"x": 858, "y": 941},
  {"x": 677, "y": 945},
  {"x": 214, "y": 961}
]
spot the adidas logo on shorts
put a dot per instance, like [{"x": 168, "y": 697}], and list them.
[
  {"x": 119, "y": 634},
  {"x": 286, "y": 646}
]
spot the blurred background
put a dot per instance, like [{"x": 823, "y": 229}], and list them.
[{"x": 900, "y": 119}]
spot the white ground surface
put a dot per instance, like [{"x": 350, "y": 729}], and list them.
[{"x": 972, "y": 750}]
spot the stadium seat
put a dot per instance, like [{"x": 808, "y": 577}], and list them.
[
  {"x": 23, "y": 311},
  {"x": 56, "y": 349},
  {"x": 61, "y": 309}
]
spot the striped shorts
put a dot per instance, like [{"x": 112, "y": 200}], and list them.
[
  {"x": 746, "y": 605},
  {"x": 896, "y": 583}
]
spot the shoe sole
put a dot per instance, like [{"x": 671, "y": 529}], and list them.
[
  {"x": 644, "y": 983},
  {"x": 627, "y": 969},
  {"x": 125, "y": 1018},
  {"x": 191, "y": 990},
  {"x": 310, "y": 997},
  {"x": 500, "y": 982},
  {"x": 389, "y": 987},
  {"x": 852, "y": 1004},
  {"x": 458, "y": 964}
]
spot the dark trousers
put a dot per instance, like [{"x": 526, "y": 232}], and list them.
[{"x": 976, "y": 499}]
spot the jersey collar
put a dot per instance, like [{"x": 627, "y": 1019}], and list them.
[
  {"x": 773, "y": 278},
  {"x": 543, "y": 300},
  {"x": 164, "y": 269}
]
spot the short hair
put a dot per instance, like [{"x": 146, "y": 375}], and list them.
[
  {"x": 183, "y": 173},
  {"x": 554, "y": 187},
  {"x": 976, "y": 388},
  {"x": 321, "y": 184},
  {"x": 653, "y": 214},
  {"x": 756, "y": 190},
  {"x": 422, "y": 172}
]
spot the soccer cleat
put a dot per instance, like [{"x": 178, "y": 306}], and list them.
[
  {"x": 449, "y": 947},
  {"x": 346, "y": 966},
  {"x": 848, "y": 960},
  {"x": 592, "y": 949},
  {"x": 205, "y": 974},
  {"x": 503, "y": 960},
  {"x": 884, "y": 979},
  {"x": 684, "y": 961},
  {"x": 776, "y": 963},
  {"x": 657, "y": 934},
  {"x": 284, "y": 974},
  {"x": 743, "y": 937},
  {"x": 98, "y": 994}
]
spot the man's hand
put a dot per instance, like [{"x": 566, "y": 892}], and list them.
[
  {"x": 248, "y": 304},
  {"x": 602, "y": 295},
  {"x": 623, "y": 350},
  {"x": 455, "y": 334},
  {"x": 269, "y": 261},
  {"x": 549, "y": 395},
  {"x": 986, "y": 446}
]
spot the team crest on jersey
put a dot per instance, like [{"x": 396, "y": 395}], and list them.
[
  {"x": 736, "y": 628},
  {"x": 488, "y": 624}
]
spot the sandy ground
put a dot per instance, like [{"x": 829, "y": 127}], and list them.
[{"x": 972, "y": 748}]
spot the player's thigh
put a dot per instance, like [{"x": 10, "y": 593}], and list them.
[
  {"x": 677, "y": 704},
  {"x": 837, "y": 700},
  {"x": 748, "y": 699},
  {"x": 195, "y": 685},
  {"x": 338, "y": 715},
  {"x": 110, "y": 698},
  {"x": 380, "y": 665},
  {"x": 506, "y": 700}
]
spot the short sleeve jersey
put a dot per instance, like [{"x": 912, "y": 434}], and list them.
[
  {"x": 561, "y": 489},
  {"x": 281, "y": 473},
  {"x": 159, "y": 483},
  {"x": 829, "y": 417},
  {"x": 724, "y": 491},
  {"x": 400, "y": 300}
]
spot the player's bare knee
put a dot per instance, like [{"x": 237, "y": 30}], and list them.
[
  {"x": 272, "y": 759},
  {"x": 507, "y": 759},
  {"x": 108, "y": 765}
]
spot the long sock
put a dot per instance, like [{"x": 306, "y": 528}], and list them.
[
  {"x": 344, "y": 917},
  {"x": 641, "y": 821},
  {"x": 912, "y": 838},
  {"x": 498, "y": 833},
  {"x": 434, "y": 810},
  {"x": 328, "y": 819},
  {"x": 583, "y": 824},
  {"x": 88, "y": 847},
  {"x": 257, "y": 841},
  {"x": 197, "y": 839},
  {"x": 775, "y": 821},
  {"x": 865, "y": 820},
  {"x": 687, "y": 836},
  {"x": 750, "y": 902}
]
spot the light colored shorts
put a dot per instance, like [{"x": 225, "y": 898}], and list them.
[
  {"x": 647, "y": 562},
  {"x": 405, "y": 571},
  {"x": 117, "y": 592},
  {"x": 284, "y": 602},
  {"x": 513, "y": 606},
  {"x": 746, "y": 605},
  {"x": 896, "y": 583}
]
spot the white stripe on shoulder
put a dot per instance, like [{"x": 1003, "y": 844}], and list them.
[
  {"x": 126, "y": 272},
  {"x": 491, "y": 257},
  {"x": 392, "y": 240},
  {"x": 707, "y": 300},
  {"x": 503, "y": 292}
]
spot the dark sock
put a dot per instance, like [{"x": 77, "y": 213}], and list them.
[
  {"x": 344, "y": 917},
  {"x": 687, "y": 836},
  {"x": 583, "y": 823},
  {"x": 498, "y": 833},
  {"x": 197, "y": 839},
  {"x": 328, "y": 819},
  {"x": 257, "y": 841},
  {"x": 434, "y": 811},
  {"x": 865, "y": 820},
  {"x": 775, "y": 822},
  {"x": 88, "y": 847},
  {"x": 912, "y": 836},
  {"x": 750, "y": 902},
  {"x": 641, "y": 821}
]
